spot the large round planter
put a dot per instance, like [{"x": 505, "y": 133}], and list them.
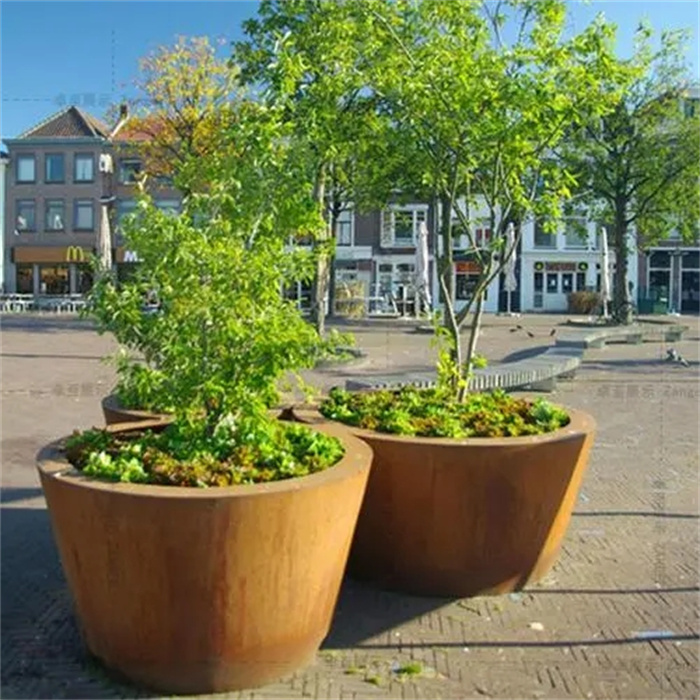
[
  {"x": 479, "y": 516},
  {"x": 189, "y": 590},
  {"x": 114, "y": 413}
]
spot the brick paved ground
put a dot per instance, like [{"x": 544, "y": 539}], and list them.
[{"x": 629, "y": 566}]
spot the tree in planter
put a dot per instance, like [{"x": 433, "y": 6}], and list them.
[
  {"x": 223, "y": 334},
  {"x": 486, "y": 116},
  {"x": 638, "y": 165}
]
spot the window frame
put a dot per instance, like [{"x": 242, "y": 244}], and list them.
[
  {"x": 18, "y": 206},
  {"x": 47, "y": 159},
  {"x": 76, "y": 206},
  {"x": 350, "y": 223},
  {"x": 47, "y": 205},
  {"x": 24, "y": 157},
  {"x": 123, "y": 162},
  {"x": 76, "y": 159}
]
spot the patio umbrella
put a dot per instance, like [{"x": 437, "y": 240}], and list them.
[
  {"x": 422, "y": 277},
  {"x": 104, "y": 240},
  {"x": 510, "y": 283},
  {"x": 605, "y": 283}
]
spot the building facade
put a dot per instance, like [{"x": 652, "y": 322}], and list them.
[{"x": 63, "y": 177}]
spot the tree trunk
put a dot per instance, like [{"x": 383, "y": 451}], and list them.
[
  {"x": 467, "y": 368},
  {"x": 622, "y": 311},
  {"x": 445, "y": 267},
  {"x": 320, "y": 283}
]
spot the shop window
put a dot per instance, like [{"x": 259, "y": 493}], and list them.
[
  {"x": 580, "y": 281},
  {"x": 54, "y": 279},
  {"x": 25, "y": 279},
  {"x": 83, "y": 279},
  {"x": 691, "y": 260},
  {"x": 567, "y": 283},
  {"x": 552, "y": 283}
]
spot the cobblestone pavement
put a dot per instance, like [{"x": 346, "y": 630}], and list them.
[{"x": 618, "y": 614}]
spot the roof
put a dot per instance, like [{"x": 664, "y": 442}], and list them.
[
  {"x": 71, "y": 122},
  {"x": 139, "y": 129}
]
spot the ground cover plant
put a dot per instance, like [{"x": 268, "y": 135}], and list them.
[
  {"x": 204, "y": 329},
  {"x": 246, "y": 453},
  {"x": 434, "y": 413}
]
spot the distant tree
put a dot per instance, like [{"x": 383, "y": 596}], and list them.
[
  {"x": 639, "y": 165},
  {"x": 188, "y": 99}
]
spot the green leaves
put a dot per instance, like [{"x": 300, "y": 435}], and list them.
[{"x": 436, "y": 413}]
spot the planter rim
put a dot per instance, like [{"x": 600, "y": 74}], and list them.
[
  {"x": 112, "y": 401},
  {"x": 580, "y": 422},
  {"x": 52, "y": 463}
]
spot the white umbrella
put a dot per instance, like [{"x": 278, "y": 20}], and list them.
[
  {"x": 104, "y": 241},
  {"x": 422, "y": 277},
  {"x": 510, "y": 283},
  {"x": 604, "y": 271}
]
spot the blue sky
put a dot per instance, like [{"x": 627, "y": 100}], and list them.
[{"x": 86, "y": 53}]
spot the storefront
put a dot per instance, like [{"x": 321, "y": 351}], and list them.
[
  {"x": 50, "y": 270},
  {"x": 546, "y": 284},
  {"x": 673, "y": 279}
]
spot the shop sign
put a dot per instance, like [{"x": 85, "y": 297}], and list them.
[{"x": 75, "y": 253}]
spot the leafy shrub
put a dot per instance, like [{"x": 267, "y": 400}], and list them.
[
  {"x": 435, "y": 413},
  {"x": 247, "y": 452},
  {"x": 583, "y": 302}
]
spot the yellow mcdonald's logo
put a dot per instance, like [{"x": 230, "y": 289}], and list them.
[{"x": 75, "y": 253}]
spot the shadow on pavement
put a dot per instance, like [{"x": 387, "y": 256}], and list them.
[
  {"x": 45, "y": 324},
  {"x": 10, "y": 495}
]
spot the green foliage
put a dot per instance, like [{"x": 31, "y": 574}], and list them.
[
  {"x": 243, "y": 452},
  {"x": 436, "y": 413},
  {"x": 638, "y": 165}
]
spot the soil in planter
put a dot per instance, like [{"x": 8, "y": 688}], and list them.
[
  {"x": 434, "y": 413},
  {"x": 256, "y": 453}
]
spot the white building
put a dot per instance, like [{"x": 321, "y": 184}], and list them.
[{"x": 554, "y": 265}]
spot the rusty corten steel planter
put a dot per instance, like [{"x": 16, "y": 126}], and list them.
[
  {"x": 479, "y": 516},
  {"x": 190, "y": 590},
  {"x": 115, "y": 413}
]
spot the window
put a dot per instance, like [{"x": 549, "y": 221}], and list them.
[
  {"x": 26, "y": 215},
  {"x": 465, "y": 285},
  {"x": 567, "y": 283},
  {"x": 552, "y": 282},
  {"x": 542, "y": 239},
  {"x": 580, "y": 281},
  {"x": 169, "y": 206},
  {"x": 25, "y": 279},
  {"x": 129, "y": 170},
  {"x": 55, "y": 172},
  {"x": 343, "y": 228},
  {"x": 575, "y": 234},
  {"x": 84, "y": 170},
  {"x": 83, "y": 279},
  {"x": 399, "y": 227},
  {"x": 26, "y": 169},
  {"x": 84, "y": 215},
  {"x": 54, "y": 279},
  {"x": 55, "y": 214}
]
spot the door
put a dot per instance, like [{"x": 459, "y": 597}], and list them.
[{"x": 690, "y": 292}]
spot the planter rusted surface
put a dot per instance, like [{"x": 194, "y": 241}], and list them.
[
  {"x": 479, "y": 516},
  {"x": 115, "y": 413},
  {"x": 189, "y": 590}
]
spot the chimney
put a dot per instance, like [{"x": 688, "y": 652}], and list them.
[{"x": 123, "y": 118}]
